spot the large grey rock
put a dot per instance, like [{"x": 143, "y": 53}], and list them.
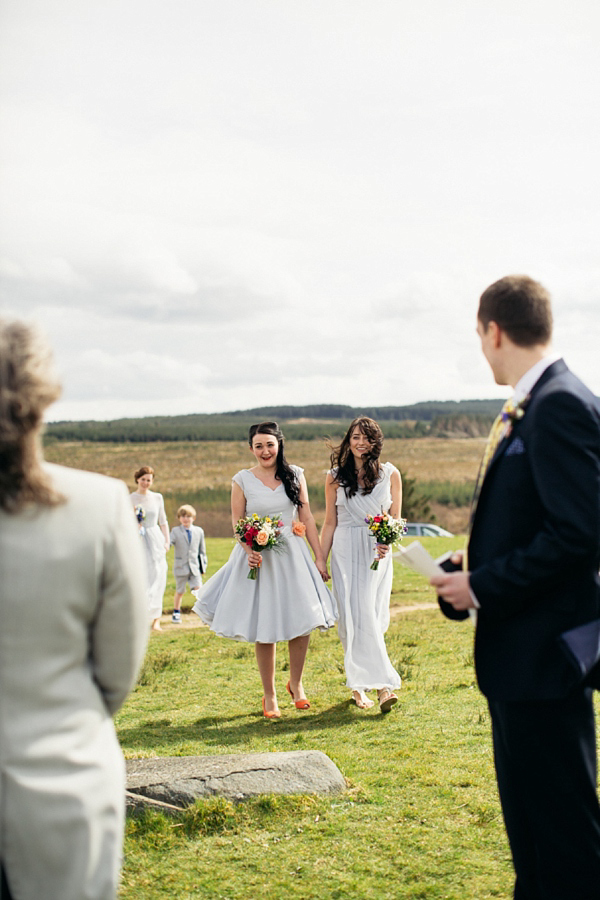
[{"x": 176, "y": 781}]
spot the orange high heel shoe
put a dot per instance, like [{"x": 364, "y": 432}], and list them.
[
  {"x": 299, "y": 704},
  {"x": 276, "y": 714}
]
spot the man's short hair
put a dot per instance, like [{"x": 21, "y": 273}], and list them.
[
  {"x": 521, "y": 307},
  {"x": 186, "y": 510}
]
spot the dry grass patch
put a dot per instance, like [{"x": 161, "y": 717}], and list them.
[{"x": 190, "y": 465}]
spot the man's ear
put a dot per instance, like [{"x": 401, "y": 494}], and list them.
[{"x": 495, "y": 333}]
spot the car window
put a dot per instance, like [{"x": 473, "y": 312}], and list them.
[
  {"x": 429, "y": 532},
  {"x": 412, "y": 529}
]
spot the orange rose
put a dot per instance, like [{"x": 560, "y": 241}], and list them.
[
  {"x": 299, "y": 528},
  {"x": 262, "y": 538}
]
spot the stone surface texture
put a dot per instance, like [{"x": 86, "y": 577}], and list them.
[{"x": 174, "y": 782}]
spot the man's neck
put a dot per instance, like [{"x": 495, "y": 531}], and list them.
[{"x": 522, "y": 359}]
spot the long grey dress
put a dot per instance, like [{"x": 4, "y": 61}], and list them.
[
  {"x": 153, "y": 541},
  {"x": 363, "y": 594}
]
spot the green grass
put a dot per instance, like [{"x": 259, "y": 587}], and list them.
[
  {"x": 448, "y": 493},
  {"x": 420, "y": 819},
  {"x": 407, "y": 587}
]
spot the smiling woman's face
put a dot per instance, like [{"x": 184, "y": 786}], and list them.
[
  {"x": 359, "y": 443},
  {"x": 144, "y": 483},
  {"x": 265, "y": 447}
]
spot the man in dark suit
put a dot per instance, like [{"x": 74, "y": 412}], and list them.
[{"x": 532, "y": 573}]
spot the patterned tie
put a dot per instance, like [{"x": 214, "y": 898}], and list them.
[{"x": 499, "y": 430}]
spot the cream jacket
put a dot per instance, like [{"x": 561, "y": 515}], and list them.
[{"x": 73, "y": 630}]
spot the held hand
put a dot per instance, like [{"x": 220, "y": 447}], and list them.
[
  {"x": 382, "y": 550},
  {"x": 254, "y": 559},
  {"x": 322, "y": 567},
  {"x": 167, "y": 546},
  {"x": 324, "y": 572},
  {"x": 453, "y": 587}
]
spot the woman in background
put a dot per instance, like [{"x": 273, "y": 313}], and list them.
[
  {"x": 72, "y": 637},
  {"x": 359, "y": 485},
  {"x": 154, "y": 531},
  {"x": 288, "y": 600}
]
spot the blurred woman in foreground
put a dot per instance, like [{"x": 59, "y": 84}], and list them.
[{"x": 73, "y": 628}]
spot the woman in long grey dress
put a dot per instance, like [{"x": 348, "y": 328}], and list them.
[
  {"x": 359, "y": 485},
  {"x": 73, "y": 631},
  {"x": 154, "y": 532}
]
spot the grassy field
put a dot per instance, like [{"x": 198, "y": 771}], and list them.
[
  {"x": 420, "y": 818},
  {"x": 407, "y": 587},
  {"x": 200, "y": 471},
  {"x": 188, "y": 465}
]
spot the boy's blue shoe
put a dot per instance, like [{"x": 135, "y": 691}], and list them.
[{"x": 176, "y": 617}]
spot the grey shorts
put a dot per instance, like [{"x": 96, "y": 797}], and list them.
[{"x": 181, "y": 581}]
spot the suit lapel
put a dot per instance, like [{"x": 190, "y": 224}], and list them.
[{"x": 556, "y": 368}]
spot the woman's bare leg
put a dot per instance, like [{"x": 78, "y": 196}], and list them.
[
  {"x": 265, "y": 657},
  {"x": 298, "y": 648}
]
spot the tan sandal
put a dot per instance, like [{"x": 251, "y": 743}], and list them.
[
  {"x": 386, "y": 699},
  {"x": 361, "y": 700}
]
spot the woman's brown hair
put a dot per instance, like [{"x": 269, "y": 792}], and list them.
[
  {"x": 342, "y": 460},
  {"x": 143, "y": 470},
  {"x": 28, "y": 385}
]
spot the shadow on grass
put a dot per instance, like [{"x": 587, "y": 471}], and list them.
[{"x": 239, "y": 729}]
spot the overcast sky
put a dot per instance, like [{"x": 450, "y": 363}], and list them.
[{"x": 217, "y": 204}]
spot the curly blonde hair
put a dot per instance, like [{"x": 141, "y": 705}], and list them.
[{"x": 28, "y": 385}]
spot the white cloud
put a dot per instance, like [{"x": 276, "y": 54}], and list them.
[{"x": 315, "y": 191}]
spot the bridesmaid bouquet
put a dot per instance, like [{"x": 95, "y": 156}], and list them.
[
  {"x": 140, "y": 514},
  {"x": 260, "y": 533},
  {"x": 385, "y": 530}
]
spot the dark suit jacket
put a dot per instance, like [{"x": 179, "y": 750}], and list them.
[{"x": 534, "y": 550}]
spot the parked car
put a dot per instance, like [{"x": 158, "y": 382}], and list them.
[{"x": 426, "y": 529}]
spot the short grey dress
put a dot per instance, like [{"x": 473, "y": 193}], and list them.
[{"x": 287, "y": 600}]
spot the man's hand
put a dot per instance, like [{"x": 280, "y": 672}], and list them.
[{"x": 453, "y": 587}]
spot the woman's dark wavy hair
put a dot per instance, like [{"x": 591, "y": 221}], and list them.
[
  {"x": 283, "y": 470},
  {"x": 342, "y": 459}
]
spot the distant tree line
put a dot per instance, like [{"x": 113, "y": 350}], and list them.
[
  {"x": 437, "y": 419},
  {"x": 425, "y": 411}
]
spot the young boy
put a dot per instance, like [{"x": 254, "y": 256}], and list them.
[{"x": 190, "y": 556}]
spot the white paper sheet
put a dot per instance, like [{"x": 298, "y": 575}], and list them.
[{"x": 417, "y": 558}]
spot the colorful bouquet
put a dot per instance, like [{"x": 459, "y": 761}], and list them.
[
  {"x": 140, "y": 514},
  {"x": 385, "y": 530},
  {"x": 260, "y": 533}
]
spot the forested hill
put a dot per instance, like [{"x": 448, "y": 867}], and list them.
[
  {"x": 436, "y": 418},
  {"x": 424, "y": 412}
]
